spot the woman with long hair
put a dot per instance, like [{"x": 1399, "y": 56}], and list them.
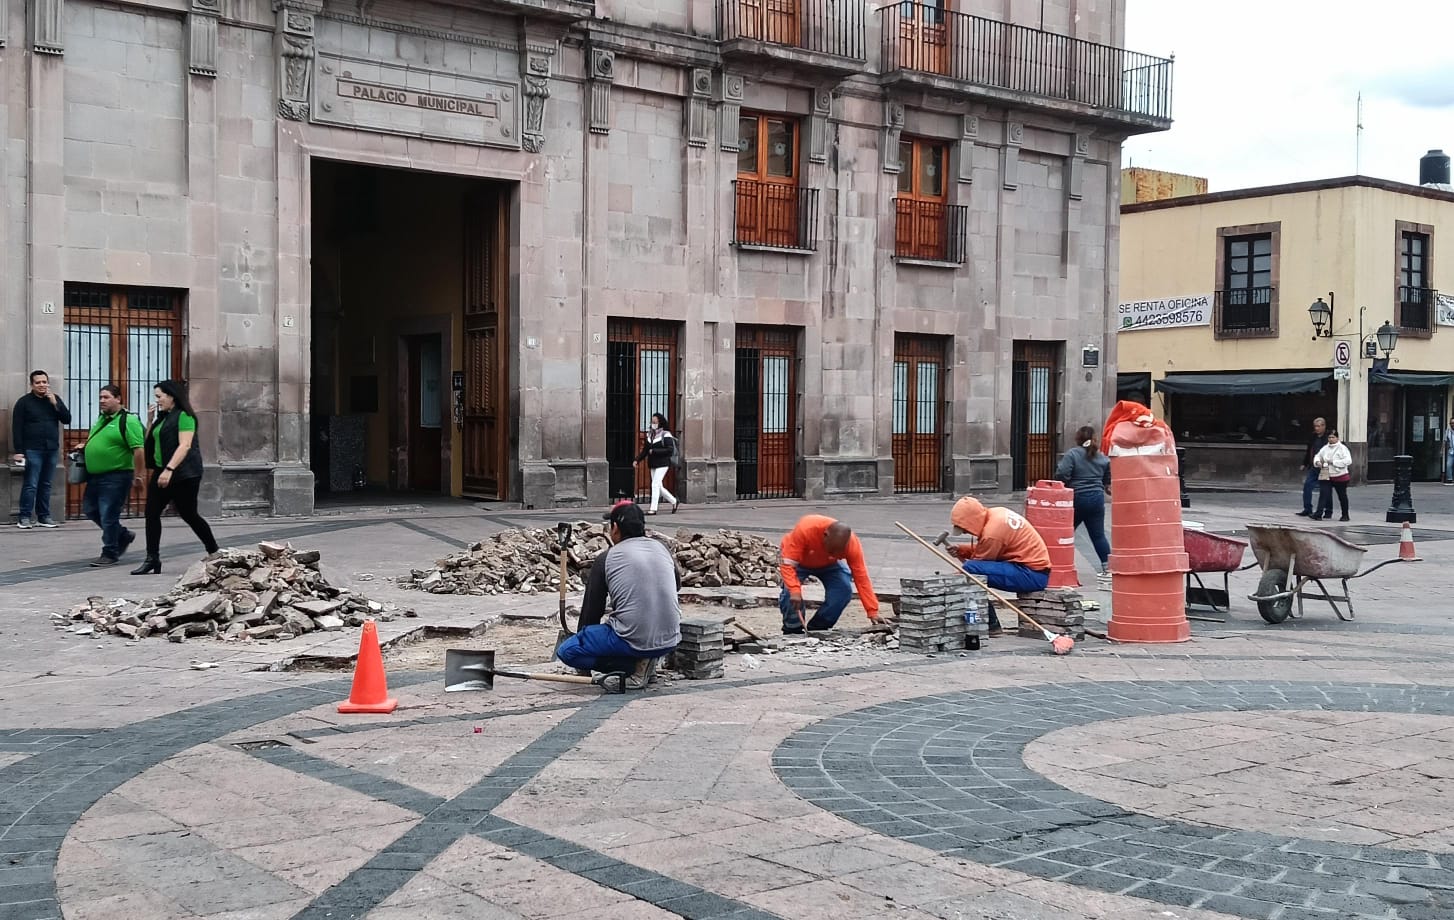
[
  {"x": 1088, "y": 471},
  {"x": 176, "y": 464},
  {"x": 658, "y": 450}
]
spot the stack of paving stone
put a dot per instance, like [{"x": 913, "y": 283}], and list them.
[
  {"x": 931, "y": 612},
  {"x": 700, "y": 653},
  {"x": 1057, "y": 611}
]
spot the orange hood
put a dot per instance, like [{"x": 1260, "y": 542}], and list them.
[{"x": 969, "y": 515}]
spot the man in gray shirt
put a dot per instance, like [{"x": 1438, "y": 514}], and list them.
[{"x": 639, "y": 576}]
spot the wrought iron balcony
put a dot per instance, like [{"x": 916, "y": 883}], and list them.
[
  {"x": 926, "y": 39},
  {"x": 929, "y": 231},
  {"x": 782, "y": 29},
  {"x": 1415, "y": 309},
  {"x": 1245, "y": 310},
  {"x": 776, "y": 215}
]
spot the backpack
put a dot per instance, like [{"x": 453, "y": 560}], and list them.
[{"x": 676, "y": 453}]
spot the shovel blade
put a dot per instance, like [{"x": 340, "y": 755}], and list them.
[{"x": 469, "y": 669}]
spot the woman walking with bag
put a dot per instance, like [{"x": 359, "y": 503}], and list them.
[
  {"x": 1088, "y": 471},
  {"x": 1333, "y": 463},
  {"x": 657, "y": 452},
  {"x": 176, "y": 465}
]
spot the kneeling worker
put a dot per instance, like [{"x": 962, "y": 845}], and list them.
[
  {"x": 823, "y": 548},
  {"x": 1007, "y": 552},
  {"x": 640, "y": 577}
]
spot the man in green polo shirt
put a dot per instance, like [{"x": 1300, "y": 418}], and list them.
[{"x": 114, "y": 466}]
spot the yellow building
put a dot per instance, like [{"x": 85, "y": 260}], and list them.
[{"x": 1215, "y": 327}]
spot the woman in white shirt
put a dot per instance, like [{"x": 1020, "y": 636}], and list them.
[{"x": 1333, "y": 462}]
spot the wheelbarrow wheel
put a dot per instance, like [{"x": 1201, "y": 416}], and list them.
[{"x": 1274, "y": 581}]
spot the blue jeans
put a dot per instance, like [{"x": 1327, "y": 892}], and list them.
[
  {"x": 598, "y": 648},
  {"x": 1007, "y": 576},
  {"x": 1448, "y": 467},
  {"x": 40, "y": 472},
  {"x": 106, "y": 495},
  {"x": 1310, "y": 485},
  {"x": 837, "y": 592},
  {"x": 1090, "y": 510}
]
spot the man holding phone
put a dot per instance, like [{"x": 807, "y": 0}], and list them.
[{"x": 35, "y": 425}]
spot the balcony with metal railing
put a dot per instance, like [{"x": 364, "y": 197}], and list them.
[
  {"x": 1415, "y": 310},
  {"x": 1245, "y": 312},
  {"x": 928, "y": 45},
  {"x": 930, "y": 231},
  {"x": 815, "y": 35},
  {"x": 774, "y": 215}
]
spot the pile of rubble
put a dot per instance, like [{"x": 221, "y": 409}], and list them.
[
  {"x": 271, "y": 592},
  {"x": 528, "y": 561}
]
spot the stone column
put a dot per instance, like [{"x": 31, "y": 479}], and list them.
[{"x": 202, "y": 301}]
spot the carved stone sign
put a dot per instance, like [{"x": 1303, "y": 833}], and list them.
[{"x": 398, "y": 99}]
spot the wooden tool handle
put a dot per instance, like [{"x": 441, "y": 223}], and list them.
[
  {"x": 554, "y": 678},
  {"x": 972, "y": 577}
]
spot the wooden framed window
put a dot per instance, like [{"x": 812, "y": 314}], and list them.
[
  {"x": 771, "y": 209},
  {"x": 926, "y": 227},
  {"x": 1415, "y": 296},
  {"x": 1247, "y": 269}
]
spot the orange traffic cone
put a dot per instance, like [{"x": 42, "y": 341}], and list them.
[
  {"x": 370, "y": 687},
  {"x": 1406, "y": 544}
]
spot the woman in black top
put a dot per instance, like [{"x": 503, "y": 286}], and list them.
[
  {"x": 176, "y": 464},
  {"x": 657, "y": 452}
]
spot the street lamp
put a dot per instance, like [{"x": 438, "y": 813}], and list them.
[
  {"x": 1387, "y": 337},
  {"x": 1322, "y": 316}
]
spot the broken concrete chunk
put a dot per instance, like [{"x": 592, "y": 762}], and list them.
[
  {"x": 328, "y": 622},
  {"x": 272, "y": 550},
  {"x": 317, "y": 608}
]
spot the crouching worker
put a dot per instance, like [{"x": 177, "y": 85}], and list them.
[
  {"x": 641, "y": 580},
  {"x": 825, "y": 549},
  {"x": 1007, "y": 552}
]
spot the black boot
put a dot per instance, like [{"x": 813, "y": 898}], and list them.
[{"x": 151, "y": 565}]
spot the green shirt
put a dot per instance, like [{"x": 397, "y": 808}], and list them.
[
  {"x": 185, "y": 422},
  {"x": 108, "y": 449}
]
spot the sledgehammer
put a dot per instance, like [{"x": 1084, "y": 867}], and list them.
[{"x": 1060, "y": 643}]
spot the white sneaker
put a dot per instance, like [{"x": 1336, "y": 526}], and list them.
[
  {"x": 47, "y": 523},
  {"x": 23, "y": 523}
]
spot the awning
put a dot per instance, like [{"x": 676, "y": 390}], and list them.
[
  {"x": 1244, "y": 383},
  {"x": 1407, "y": 379}
]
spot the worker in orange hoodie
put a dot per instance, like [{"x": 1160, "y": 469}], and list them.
[
  {"x": 826, "y": 549},
  {"x": 1007, "y": 552}
]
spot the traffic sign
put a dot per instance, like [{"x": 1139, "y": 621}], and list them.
[
  {"x": 1342, "y": 355},
  {"x": 1342, "y": 373}
]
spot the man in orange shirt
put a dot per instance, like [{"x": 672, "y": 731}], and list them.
[
  {"x": 823, "y": 548},
  {"x": 1007, "y": 552}
]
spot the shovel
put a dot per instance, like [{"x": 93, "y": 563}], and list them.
[{"x": 474, "y": 669}]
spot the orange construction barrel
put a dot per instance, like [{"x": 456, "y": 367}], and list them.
[
  {"x": 1050, "y": 509},
  {"x": 1148, "y": 557}
]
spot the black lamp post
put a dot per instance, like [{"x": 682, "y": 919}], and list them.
[{"x": 1322, "y": 316}]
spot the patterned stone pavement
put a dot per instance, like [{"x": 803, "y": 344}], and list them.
[{"x": 1282, "y": 773}]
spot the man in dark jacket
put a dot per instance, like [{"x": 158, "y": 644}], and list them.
[
  {"x": 35, "y": 427},
  {"x": 1317, "y": 442}
]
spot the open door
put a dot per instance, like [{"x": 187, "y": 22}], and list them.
[
  {"x": 483, "y": 422},
  {"x": 1034, "y": 411},
  {"x": 424, "y": 414}
]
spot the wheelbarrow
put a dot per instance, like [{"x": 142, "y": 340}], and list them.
[
  {"x": 1209, "y": 553},
  {"x": 1292, "y": 557}
]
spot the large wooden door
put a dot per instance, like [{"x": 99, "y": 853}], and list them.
[
  {"x": 924, "y": 37},
  {"x": 774, "y": 21},
  {"x": 921, "y": 223},
  {"x": 641, "y": 379},
  {"x": 486, "y": 368},
  {"x": 1034, "y": 411},
  {"x": 132, "y": 337},
  {"x": 918, "y": 413},
  {"x": 765, "y": 423}
]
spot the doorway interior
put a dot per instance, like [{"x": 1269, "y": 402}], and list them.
[
  {"x": 1034, "y": 410},
  {"x": 410, "y": 365}
]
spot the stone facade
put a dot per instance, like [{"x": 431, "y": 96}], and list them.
[{"x": 171, "y": 144}]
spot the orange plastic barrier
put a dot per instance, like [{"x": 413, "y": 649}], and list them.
[
  {"x": 1148, "y": 555},
  {"x": 1050, "y": 509}
]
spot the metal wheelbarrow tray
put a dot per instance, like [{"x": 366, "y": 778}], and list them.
[
  {"x": 1293, "y": 556},
  {"x": 1209, "y": 553}
]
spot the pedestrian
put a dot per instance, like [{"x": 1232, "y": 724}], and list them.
[
  {"x": 640, "y": 578},
  {"x": 114, "y": 466},
  {"x": 1333, "y": 462},
  {"x": 1317, "y": 442},
  {"x": 175, "y": 460},
  {"x": 1088, "y": 471},
  {"x": 658, "y": 451},
  {"x": 1449, "y": 453},
  {"x": 35, "y": 430},
  {"x": 1007, "y": 552},
  {"x": 826, "y": 549}
]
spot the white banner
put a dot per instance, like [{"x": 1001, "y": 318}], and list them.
[
  {"x": 1188, "y": 310},
  {"x": 1444, "y": 309}
]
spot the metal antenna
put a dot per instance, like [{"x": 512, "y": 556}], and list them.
[{"x": 1358, "y": 139}]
